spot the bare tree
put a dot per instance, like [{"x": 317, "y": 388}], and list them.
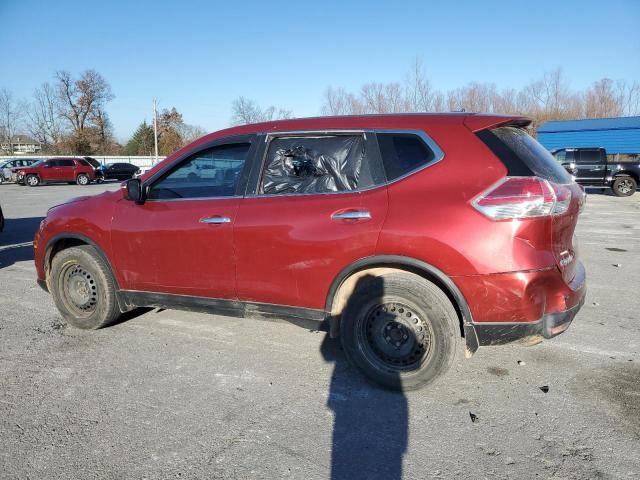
[
  {"x": 248, "y": 111},
  {"x": 189, "y": 133},
  {"x": 81, "y": 103},
  {"x": 340, "y": 102},
  {"x": 420, "y": 96},
  {"x": 629, "y": 94},
  {"x": 11, "y": 117},
  {"x": 43, "y": 117},
  {"x": 414, "y": 95},
  {"x": 381, "y": 98},
  {"x": 474, "y": 97}
]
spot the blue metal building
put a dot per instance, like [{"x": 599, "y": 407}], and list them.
[{"x": 616, "y": 135}]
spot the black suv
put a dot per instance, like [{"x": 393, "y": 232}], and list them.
[{"x": 591, "y": 167}]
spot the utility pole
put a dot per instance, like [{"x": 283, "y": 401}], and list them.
[{"x": 155, "y": 130}]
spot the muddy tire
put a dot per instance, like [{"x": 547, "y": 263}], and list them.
[
  {"x": 83, "y": 288},
  {"x": 400, "y": 330},
  {"x": 624, "y": 186}
]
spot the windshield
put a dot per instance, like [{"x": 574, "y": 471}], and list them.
[{"x": 93, "y": 162}]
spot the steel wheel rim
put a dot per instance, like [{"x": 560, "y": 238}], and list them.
[
  {"x": 80, "y": 289},
  {"x": 32, "y": 181},
  {"x": 395, "y": 336},
  {"x": 82, "y": 180}
]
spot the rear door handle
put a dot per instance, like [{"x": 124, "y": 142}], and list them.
[
  {"x": 215, "y": 220},
  {"x": 353, "y": 215}
]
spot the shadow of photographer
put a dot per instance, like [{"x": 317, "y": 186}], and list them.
[{"x": 371, "y": 424}]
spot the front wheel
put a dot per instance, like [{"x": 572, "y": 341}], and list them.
[
  {"x": 32, "y": 180},
  {"x": 624, "y": 186},
  {"x": 400, "y": 330},
  {"x": 83, "y": 288},
  {"x": 82, "y": 179}
]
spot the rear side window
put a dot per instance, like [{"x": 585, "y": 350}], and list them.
[
  {"x": 315, "y": 164},
  {"x": 403, "y": 153},
  {"x": 65, "y": 163},
  {"x": 523, "y": 155},
  {"x": 590, "y": 156}
]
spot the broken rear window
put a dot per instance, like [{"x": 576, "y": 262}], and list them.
[{"x": 320, "y": 164}]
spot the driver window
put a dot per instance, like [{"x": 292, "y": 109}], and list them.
[{"x": 210, "y": 173}]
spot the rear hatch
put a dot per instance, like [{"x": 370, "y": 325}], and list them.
[{"x": 523, "y": 156}]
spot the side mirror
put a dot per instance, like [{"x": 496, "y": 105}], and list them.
[{"x": 135, "y": 191}]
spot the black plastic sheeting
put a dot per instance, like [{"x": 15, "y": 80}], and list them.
[{"x": 313, "y": 164}]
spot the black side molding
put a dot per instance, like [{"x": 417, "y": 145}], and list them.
[{"x": 303, "y": 317}]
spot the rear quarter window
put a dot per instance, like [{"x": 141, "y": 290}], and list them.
[
  {"x": 523, "y": 155},
  {"x": 403, "y": 153}
]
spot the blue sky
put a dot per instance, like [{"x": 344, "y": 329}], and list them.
[{"x": 200, "y": 55}]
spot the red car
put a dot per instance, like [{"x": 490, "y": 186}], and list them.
[
  {"x": 412, "y": 237},
  {"x": 68, "y": 170}
]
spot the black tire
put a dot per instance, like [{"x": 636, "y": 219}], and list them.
[
  {"x": 32, "y": 180},
  {"x": 83, "y": 288},
  {"x": 624, "y": 186},
  {"x": 83, "y": 179},
  {"x": 400, "y": 330}
]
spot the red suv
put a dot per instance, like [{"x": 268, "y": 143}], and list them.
[
  {"x": 409, "y": 236},
  {"x": 70, "y": 170}
]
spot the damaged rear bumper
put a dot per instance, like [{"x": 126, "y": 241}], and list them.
[
  {"x": 530, "y": 333},
  {"x": 552, "y": 291}
]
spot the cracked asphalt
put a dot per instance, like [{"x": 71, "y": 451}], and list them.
[{"x": 170, "y": 394}]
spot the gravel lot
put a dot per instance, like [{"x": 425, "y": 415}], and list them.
[{"x": 169, "y": 394}]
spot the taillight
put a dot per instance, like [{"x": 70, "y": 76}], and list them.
[{"x": 523, "y": 197}]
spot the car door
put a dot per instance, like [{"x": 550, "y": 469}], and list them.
[
  {"x": 590, "y": 166},
  {"x": 180, "y": 240},
  {"x": 50, "y": 171},
  {"x": 67, "y": 170},
  {"x": 316, "y": 205}
]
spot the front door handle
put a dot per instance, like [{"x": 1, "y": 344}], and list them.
[
  {"x": 353, "y": 215},
  {"x": 215, "y": 220}
]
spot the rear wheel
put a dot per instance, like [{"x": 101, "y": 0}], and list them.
[
  {"x": 32, "y": 180},
  {"x": 82, "y": 179},
  {"x": 624, "y": 186},
  {"x": 400, "y": 330},
  {"x": 83, "y": 288}
]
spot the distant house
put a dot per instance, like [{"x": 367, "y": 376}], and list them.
[
  {"x": 22, "y": 144},
  {"x": 619, "y": 135}
]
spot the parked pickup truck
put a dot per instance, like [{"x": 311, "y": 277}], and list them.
[{"x": 590, "y": 167}]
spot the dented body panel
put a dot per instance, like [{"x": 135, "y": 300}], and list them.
[{"x": 509, "y": 280}]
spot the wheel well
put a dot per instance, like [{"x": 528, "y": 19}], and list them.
[
  {"x": 339, "y": 295},
  {"x": 627, "y": 173},
  {"x": 58, "y": 246}
]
